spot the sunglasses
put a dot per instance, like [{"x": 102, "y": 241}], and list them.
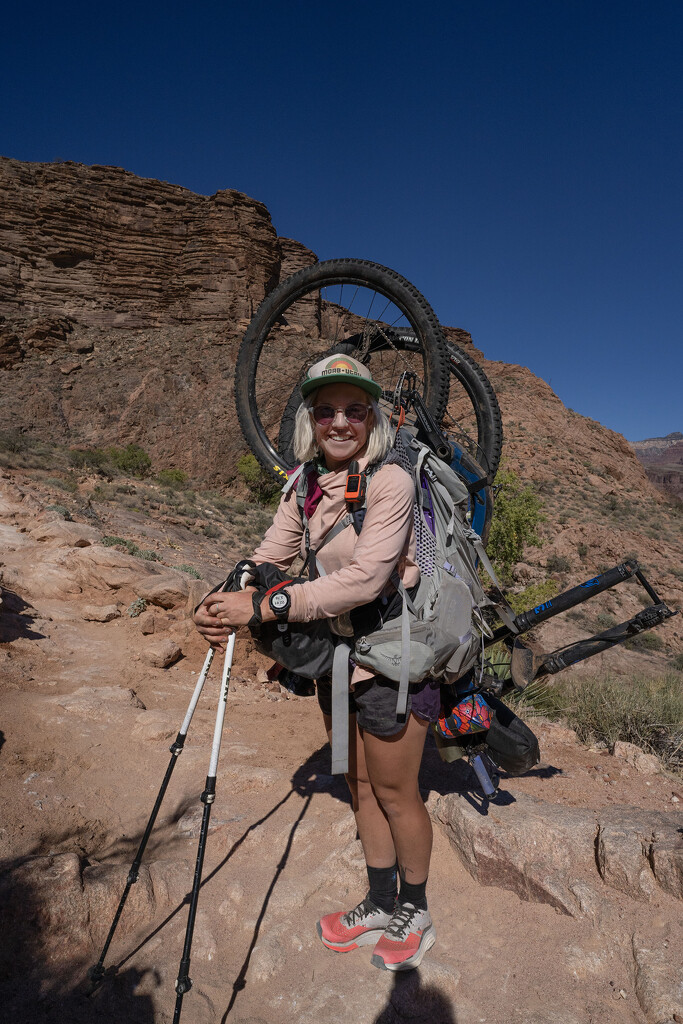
[{"x": 325, "y": 414}]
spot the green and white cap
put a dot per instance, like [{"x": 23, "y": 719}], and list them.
[{"x": 340, "y": 369}]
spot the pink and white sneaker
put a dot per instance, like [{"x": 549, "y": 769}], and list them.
[
  {"x": 406, "y": 939},
  {"x": 344, "y": 931}
]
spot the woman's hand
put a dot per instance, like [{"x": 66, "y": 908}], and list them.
[{"x": 219, "y": 614}]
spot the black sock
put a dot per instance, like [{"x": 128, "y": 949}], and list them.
[
  {"x": 414, "y": 894},
  {"x": 383, "y": 887}
]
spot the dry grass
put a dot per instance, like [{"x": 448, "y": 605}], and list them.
[{"x": 647, "y": 711}]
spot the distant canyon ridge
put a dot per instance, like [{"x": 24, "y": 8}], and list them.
[
  {"x": 123, "y": 301},
  {"x": 663, "y": 461}
]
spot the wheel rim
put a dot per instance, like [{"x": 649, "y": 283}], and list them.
[{"x": 342, "y": 316}]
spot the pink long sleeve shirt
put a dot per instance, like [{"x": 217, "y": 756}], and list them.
[{"x": 358, "y": 566}]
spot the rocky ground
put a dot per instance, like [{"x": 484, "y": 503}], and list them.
[{"x": 559, "y": 903}]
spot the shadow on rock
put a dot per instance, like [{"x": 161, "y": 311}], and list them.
[
  {"x": 307, "y": 780},
  {"x": 41, "y": 986},
  {"x": 457, "y": 777},
  {"x": 15, "y": 619},
  {"x": 412, "y": 1000}
]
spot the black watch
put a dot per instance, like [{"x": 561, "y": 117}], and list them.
[{"x": 280, "y": 602}]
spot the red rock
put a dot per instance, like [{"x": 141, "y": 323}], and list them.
[
  {"x": 167, "y": 591},
  {"x": 162, "y": 653},
  {"x": 104, "y": 613}
]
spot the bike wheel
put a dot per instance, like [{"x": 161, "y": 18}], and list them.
[
  {"x": 352, "y": 306},
  {"x": 473, "y": 414}
]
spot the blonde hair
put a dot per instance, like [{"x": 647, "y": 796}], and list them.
[{"x": 376, "y": 447}]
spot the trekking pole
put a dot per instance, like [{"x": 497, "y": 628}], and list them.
[
  {"x": 183, "y": 981},
  {"x": 96, "y": 972}
]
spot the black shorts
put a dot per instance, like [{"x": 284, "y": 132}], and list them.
[{"x": 372, "y": 701}]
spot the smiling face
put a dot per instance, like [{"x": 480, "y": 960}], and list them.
[{"x": 339, "y": 440}]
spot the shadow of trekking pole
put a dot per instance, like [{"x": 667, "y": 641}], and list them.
[{"x": 240, "y": 981}]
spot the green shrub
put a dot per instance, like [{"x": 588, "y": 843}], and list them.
[
  {"x": 14, "y": 441},
  {"x": 645, "y": 642},
  {"x": 260, "y": 485},
  {"x": 131, "y": 548},
  {"x": 677, "y": 661},
  {"x": 219, "y": 502},
  {"x": 132, "y": 459},
  {"x": 532, "y": 596},
  {"x": 87, "y": 458},
  {"x": 173, "y": 478},
  {"x": 582, "y": 550},
  {"x": 62, "y": 511},
  {"x": 64, "y": 483},
  {"x": 190, "y": 570},
  {"x": 516, "y": 518},
  {"x": 211, "y": 531},
  {"x": 137, "y": 607},
  {"x": 603, "y": 620},
  {"x": 558, "y": 563},
  {"x": 110, "y": 541}
]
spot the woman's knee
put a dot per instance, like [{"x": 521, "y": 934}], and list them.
[
  {"x": 397, "y": 800},
  {"x": 359, "y": 787}
]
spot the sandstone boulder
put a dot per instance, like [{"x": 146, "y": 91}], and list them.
[
  {"x": 102, "y": 568},
  {"x": 637, "y": 849},
  {"x": 101, "y": 613},
  {"x": 63, "y": 534},
  {"x": 45, "y": 909},
  {"x": 645, "y": 763},
  {"x": 549, "y": 853},
  {"x": 41, "y": 579},
  {"x": 102, "y": 887},
  {"x": 147, "y": 623},
  {"x": 98, "y": 703},
  {"x": 167, "y": 591},
  {"x": 155, "y": 726},
  {"x": 536, "y": 849},
  {"x": 162, "y": 653},
  {"x": 659, "y": 978}
]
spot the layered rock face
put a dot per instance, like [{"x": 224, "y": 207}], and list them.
[
  {"x": 102, "y": 248},
  {"x": 122, "y": 303},
  {"x": 663, "y": 461}
]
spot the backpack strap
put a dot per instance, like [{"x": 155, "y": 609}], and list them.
[
  {"x": 294, "y": 478},
  {"x": 340, "y": 709},
  {"x": 404, "y": 679},
  {"x": 502, "y": 607},
  {"x": 312, "y": 554}
]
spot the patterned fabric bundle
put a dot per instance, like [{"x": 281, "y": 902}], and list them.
[{"x": 471, "y": 715}]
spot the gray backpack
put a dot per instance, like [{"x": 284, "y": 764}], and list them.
[{"x": 441, "y": 628}]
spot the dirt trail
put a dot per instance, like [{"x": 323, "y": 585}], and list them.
[{"x": 86, "y": 727}]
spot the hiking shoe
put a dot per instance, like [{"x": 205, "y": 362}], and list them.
[
  {"x": 406, "y": 939},
  {"x": 361, "y": 926}
]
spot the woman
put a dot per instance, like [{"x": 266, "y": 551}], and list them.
[{"x": 340, "y": 422}]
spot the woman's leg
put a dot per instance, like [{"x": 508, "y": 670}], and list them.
[
  {"x": 373, "y": 827},
  {"x": 391, "y": 765}
]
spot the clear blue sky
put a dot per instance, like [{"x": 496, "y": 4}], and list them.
[{"x": 518, "y": 160}]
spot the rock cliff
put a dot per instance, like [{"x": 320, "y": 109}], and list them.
[
  {"x": 122, "y": 301},
  {"x": 663, "y": 461}
]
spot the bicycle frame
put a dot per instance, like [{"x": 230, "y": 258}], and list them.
[{"x": 527, "y": 665}]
